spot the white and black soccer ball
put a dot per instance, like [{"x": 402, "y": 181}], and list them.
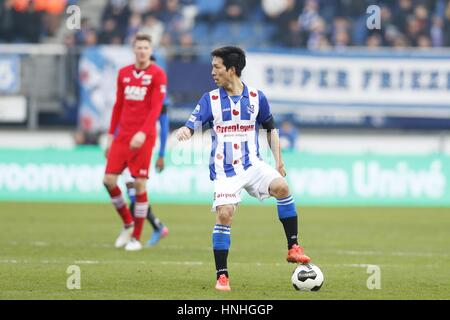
[{"x": 307, "y": 277}]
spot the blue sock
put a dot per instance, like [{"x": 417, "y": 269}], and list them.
[
  {"x": 132, "y": 196},
  {"x": 287, "y": 213},
  {"x": 221, "y": 244}
]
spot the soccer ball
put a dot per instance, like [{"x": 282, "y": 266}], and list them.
[{"x": 307, "y": 277}]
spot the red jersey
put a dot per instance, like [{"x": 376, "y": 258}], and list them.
[{"x": 139, "y": 100}]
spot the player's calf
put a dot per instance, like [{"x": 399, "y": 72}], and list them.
[{"x": 287, "y": 213}]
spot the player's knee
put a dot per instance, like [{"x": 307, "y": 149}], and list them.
[
  {"x": 109, "y": 182},
  {"x": 140, "y": 185},
  {"x": 225, "y": 214},
  {"x": 279, "y": 188}
]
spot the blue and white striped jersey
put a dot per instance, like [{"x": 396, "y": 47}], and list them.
[{"x": 234, "y": 127}]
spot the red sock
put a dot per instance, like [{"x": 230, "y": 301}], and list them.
[
  {"x": 120, "y": 205},
  {"x": 140, "y": 212}
]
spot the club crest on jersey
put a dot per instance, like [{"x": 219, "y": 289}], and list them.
[
  {"x": 135, "y": 93},
  {"x": 196, "y": 110},
  {"x": 126, "y": 80},
  {"x": 146, "y": 79}
]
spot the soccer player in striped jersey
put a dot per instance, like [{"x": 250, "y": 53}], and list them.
[{"x": 235, "y": 112}]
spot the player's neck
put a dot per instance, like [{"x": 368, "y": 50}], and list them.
[
  {"x": 142, "y": 66},
  {"x": 234, "y": 88}
]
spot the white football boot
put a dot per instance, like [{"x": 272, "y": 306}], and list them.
[
  {"x": 124, "y": 237},
  {"x": 133, "y": 245}
]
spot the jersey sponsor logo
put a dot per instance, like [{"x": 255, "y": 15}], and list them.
[
  {"x": 251, "y": 108},
  {"x": 135, "y": 93},
  {"x": 225, "y": 195},
  {"x": 235, "y": 128},
  {"x": 146, "y": 79}
]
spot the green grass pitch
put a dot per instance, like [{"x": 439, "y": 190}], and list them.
[{"x": 39, "y": 241}]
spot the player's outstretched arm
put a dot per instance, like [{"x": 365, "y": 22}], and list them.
[{"x": 184, "y": 133}]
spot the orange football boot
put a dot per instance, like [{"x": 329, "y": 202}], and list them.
[
  {"x": 223, "y": 284},
  {"x": 296, "y": 255}
]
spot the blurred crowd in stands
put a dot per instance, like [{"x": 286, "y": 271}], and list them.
[
  {"x": 312, "y": 24},
  {"x": 29, "y": 21}
]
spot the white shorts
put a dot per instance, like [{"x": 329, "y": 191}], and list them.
[{"x": 255, "y": 180}]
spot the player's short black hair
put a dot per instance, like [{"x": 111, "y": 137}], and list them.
[{"x": 232, "y": 57}]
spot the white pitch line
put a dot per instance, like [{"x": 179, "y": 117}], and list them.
[
  {"x": 86, "y": 262},
  {"x": 200, "y": 263},
  {"x": 393, "y": 253}
]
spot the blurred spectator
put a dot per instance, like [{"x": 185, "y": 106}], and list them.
[
  {"x": 52, "y": 16},
  {"x": 236, "y": 10},
  {"x": 437, "y": 32},
  {"x": 400, "y": 42},
  {"x": 424, "y": 41},
  {"x": 274, "y": 8},
  {"x": 310, "y": 15},
  {"x": 317, "y": 33},
  {"x": 133, "y": 27},
  {"x": 284, "y": 15},
  {"x": 81, "y": 137},
  {"x": 108, "y": 31},
  {"x": 140, "y": 6},
  {"x": 404, "y": 10},
  {"x": 341, "y": 36},
  {"x": 172, "y": 17},
  {"x": 153, "y": 27},
  {"x": 7, "y": 21},
  {"x": 186, "y": 52},
  {"x": 120, "y": 12},
  {"x": 288, "y": 135},
  {"x": 80, "y": 35},
  {"x": 91, "y": 38},
  {"x": 28, "y": 26},
  {"x": 374, "y": 41}
]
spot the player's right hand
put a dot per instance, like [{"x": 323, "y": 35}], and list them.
[{"x": 183, "y": 134}]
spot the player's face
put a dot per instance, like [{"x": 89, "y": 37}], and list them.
[
  {"x": 219, "y": 72},
  {"x": 142, "y": 50}
]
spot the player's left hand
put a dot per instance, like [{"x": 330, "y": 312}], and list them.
[
  {"x": 159, "y": 164},
  {"x": 138, "y": 140},
  {"x": 280, "y": 168}
]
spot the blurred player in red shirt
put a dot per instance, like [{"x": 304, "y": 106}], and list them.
[{"x": 141, "y": 88}]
